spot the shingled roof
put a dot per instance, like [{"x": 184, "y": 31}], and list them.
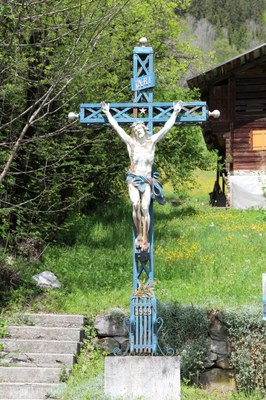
[{"x": 254, "y": 57}]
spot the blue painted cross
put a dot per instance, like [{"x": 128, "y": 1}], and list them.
[
  {"x": 143, "y": 108},
  {"x": 143, "y": 322}
]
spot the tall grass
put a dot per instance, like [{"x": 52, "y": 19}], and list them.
[
  {"x": 206, "y": 256},
  {"x": 210, "y": 257}
]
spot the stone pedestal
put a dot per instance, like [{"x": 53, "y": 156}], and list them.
[{"x": 144, "y": 377}]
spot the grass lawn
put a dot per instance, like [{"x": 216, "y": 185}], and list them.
[
  {"x": 209, "y": 257},
  {"x": 212, "y": 258}
]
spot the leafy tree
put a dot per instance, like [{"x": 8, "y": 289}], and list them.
[
  {"x": 223, "y": 50},
  {"x": 234, "y": 20},
  {"x": 55, "y": 55},
  {"x": 46, "y": 50}
]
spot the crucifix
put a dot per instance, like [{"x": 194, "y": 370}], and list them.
[{"x": 142, "y": 115}]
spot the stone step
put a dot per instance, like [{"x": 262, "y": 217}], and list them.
[
  {"x": 36, "y": 359},
  {"x": 40, "y": 346},
  {"x": 57, "y": 320},
  {"x": 44, "y": 332},
  {"x": 39, "y": 349},
  {"x": 29, "y": 391},
  {"x": 30, "y": 374}
]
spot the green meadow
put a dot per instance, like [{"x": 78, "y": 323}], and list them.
[{"x": 209, "y": 257}]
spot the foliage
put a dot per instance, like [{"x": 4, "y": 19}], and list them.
[
  {"x": 205, "y": 256},
  {"x": 247, "y": 332},
  {"x": 9, "y": 279},
  {"x": 48, "y": 168},
  {"x": 86, "y": 381},
  {"x": 242, "y": 24},
  {"x": 185, "y": 329},
  {"x": 193, "y": 393},
  {"x": 145, "y": 289},
  {"x": 17, "y": 288},
  {"x": 55, "y": 56},
  {"x": 210, "y": 247},
  {"x": 3, "y": 327},
  {"x": 224, "y": 250},
  {"x": 214, "y": 44},
  {"x": 180, "y": 154},
  {"x": 221, "y": 31},
  {"x": 3, "y": 330}
]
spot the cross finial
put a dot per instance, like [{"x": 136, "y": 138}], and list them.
[{"x": 143, "y": 41}]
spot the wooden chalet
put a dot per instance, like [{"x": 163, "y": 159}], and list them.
[{"x": 237, "y": 88}]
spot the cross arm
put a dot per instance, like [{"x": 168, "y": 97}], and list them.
[
  {"x": 177, "y": 107},
  {"x": 115, "y": 125},
  {"x": 158, "y": 113}
]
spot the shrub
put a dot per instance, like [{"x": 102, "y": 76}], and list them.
[
  {"x": 9, "y": 278},
  {"x": 247, "y": 335},
  {"x": 185, "y": 329}
]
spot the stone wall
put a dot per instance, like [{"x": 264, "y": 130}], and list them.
[
  {"x": 111, "y": 332},
  {"x": 218, "y": 371}
]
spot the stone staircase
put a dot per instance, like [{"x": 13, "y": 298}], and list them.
[{"x": 38, "y": 351}]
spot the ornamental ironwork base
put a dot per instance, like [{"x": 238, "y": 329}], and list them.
[{"x": 143, "y": 328}]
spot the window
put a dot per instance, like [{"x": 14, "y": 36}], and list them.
[{"x": 258, "y": 139}]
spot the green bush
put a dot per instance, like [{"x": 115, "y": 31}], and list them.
[
  {"x": 247, "y": 336},
  {"x": 185, "y": 329},
  {"x": 9, "y": 279},
  {"x": 3, "y": 330}
]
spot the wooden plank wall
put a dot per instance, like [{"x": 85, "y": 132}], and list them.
[
  {"x": 242, "y": 102},
  {"x": 250, "y": 113},
  {"x": 219, "y": 99},
  {"x": 250, "y": 100}
]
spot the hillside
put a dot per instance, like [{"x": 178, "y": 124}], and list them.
[{"x": 223, "y": 29}]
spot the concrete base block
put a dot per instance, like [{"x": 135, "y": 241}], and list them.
[{"x": 142, "y": 377}]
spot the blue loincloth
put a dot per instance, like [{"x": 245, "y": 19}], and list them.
[{"x": 141, "y": 181}]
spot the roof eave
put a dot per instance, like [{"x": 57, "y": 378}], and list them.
[{"x": 224, "y": 70}]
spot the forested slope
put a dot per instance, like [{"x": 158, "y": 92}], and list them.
[{"x": 226, "y": 28}]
